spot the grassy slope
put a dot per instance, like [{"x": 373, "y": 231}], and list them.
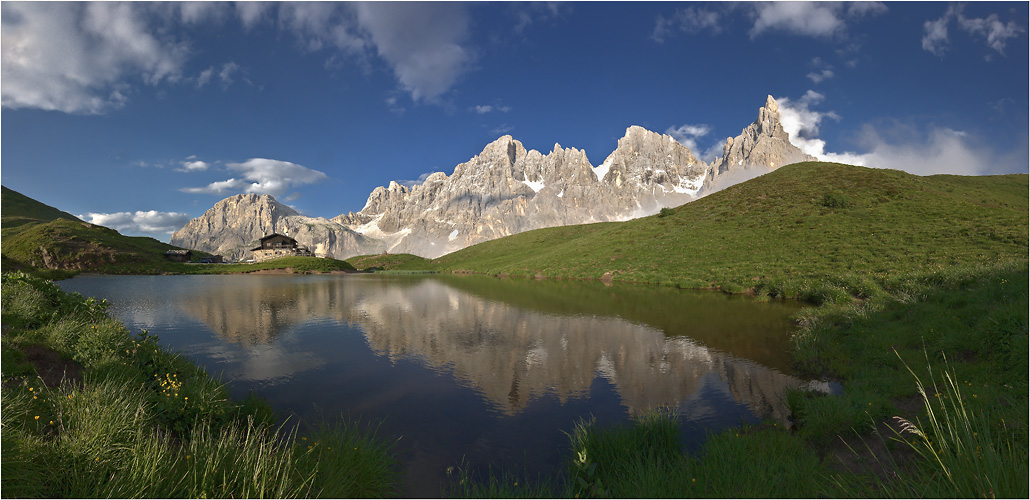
[
  {"x": 30, "y": 227},
  {"x": 779, "y": 229},
  {"x": 138, "y": 421},
  {"x": 391, "y": 262},
  {"x": 16, "y": 204},
  {"x": 942, "y": 261},
  {"x": 297, "y": 264}
]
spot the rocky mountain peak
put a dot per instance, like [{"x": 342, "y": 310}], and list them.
[
  {"x": 763, "y": 144},
  {"x": 504, "y": 190},
  {"x": 505, "y": 147}
]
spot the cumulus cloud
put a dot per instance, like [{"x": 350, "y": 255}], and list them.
[
  {"x": 802, "y": 123},
  {"x": 192, "y": 165},
  {"x": 421, "y": 41},
  {"x": 89, "y": 57},
  {"x": 818, "y": 19},
  {"x": 321, "y": 25},
  {"x": 922, "y": 151},
  {"x": 990, "y": 29},
  {"x": 81, "y": 57},
  {"x": 262, "y": 175},
  {"x": 149, "y": 222}
]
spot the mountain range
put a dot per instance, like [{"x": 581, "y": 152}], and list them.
[{"x": 503, "y": 190}]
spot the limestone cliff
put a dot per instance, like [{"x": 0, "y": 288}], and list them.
[
  {"x": 505, "y": 190},
  {"x": 234, "y": 225}
]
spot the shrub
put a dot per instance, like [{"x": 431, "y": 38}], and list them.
[
  {"x": 836, "y": 200},
  {"x": 665, "y": 212}
]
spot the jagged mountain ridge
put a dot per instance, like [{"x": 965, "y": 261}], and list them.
[{"x": 504, "y": 190}]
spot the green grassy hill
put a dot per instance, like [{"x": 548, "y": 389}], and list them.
[
  {"x": 20, "y": 209},
  {"x": 390, "y": 261},
  {"x": 38, "y": 236},
  {"x": 807, "y": 228}
]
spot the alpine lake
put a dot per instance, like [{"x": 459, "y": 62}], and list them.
[{"x": 471, "y": 370}]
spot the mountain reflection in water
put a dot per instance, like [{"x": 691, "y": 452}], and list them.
[
  {"x": 515, "y": 354},
  {"x": 472, "y": 367}
]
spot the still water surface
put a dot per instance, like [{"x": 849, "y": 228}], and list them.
[{"x": 489, "y": 370}]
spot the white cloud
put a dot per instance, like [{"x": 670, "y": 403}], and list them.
[
  {"x": 935, "y": 35},
  {"x": 149, "y": 222},
  {"x": 819, "y": 76},
  {"x": 482, "y": 110},
  {"x": 192, "y": 165},
  {"x": 990, "y": 29},
  {"x": 226, "y": 74},
  {"x": 251, "y": 13},
  {"x": 81, "y": 57},
  {"x": 204, "y": 77},
  {"x": 802, "y": 126},
  {"x": 262, "y": 175},
  {"x": 320, "y": 25},
  {"x": 421, "y": 41},
  {"x": 412, "y": 183},
  {"x": 815, "y": 19},
  {"x": 935, "y": 150},
  {"x": 502, "y": 129},
  {"x": 528, "y": 13},
  {"x": 394, "y": 106},
  {"x": 198, "y": 12},
  {"x": 818, "y": 19},
  {"x": 688, "y": 20},
  {"x": 687, "y": 135}
]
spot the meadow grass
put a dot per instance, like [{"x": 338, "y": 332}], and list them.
[
  {"x": 775, "y": 235},
  {"x": 142, "y": 422},
  {"x": 965, "y": 429},
  {"x": 297, "y": 264},
  {"x": 390, "y": 262},
  {"x": 964, "y": 451}
]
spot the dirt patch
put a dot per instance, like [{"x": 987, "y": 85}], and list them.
[
  {"x": 52, "y": 368},
  {"x": 878, "y": 453},
  {"x": 288, "y": 270}
]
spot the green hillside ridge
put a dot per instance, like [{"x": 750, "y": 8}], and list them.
[
  {"x": 18, "y": 208},
  {"x": 37, "y": 236},
  {"x": 820, "y": 231},
  {"x": 390, "y": 261}
]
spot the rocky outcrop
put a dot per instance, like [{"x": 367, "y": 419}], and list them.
[
  {"x": 504, "y": 190},
  {"x": 234, "y": 225},
  {"x": 760, "y": 148}
]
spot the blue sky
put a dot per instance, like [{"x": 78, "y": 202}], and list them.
[{"x": 140, "y": 116}]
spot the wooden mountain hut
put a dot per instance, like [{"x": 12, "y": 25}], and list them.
[{"x": 277, "y": 245}]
